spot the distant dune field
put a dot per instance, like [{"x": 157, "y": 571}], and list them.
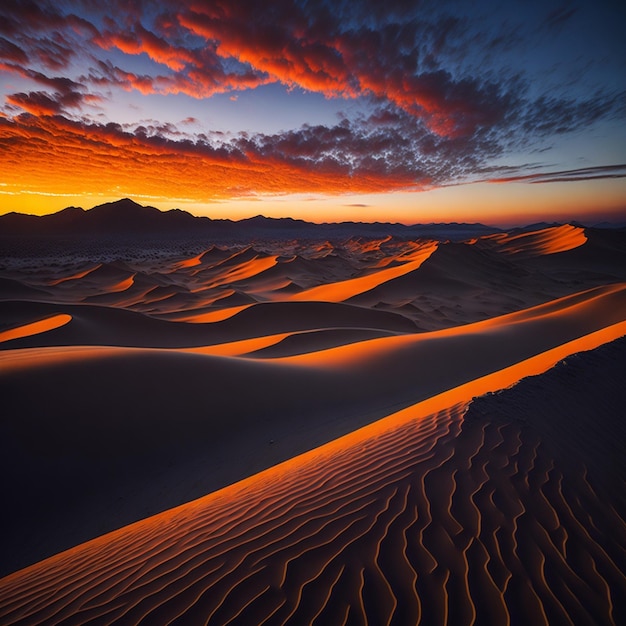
[{"x": 355, "y": 431}]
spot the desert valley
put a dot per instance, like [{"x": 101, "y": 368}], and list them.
[{"x": 296, "y": 424}]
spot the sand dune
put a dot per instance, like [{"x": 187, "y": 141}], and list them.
[
  {"x": 288, "y": 432},
  {"x": 155, "y": 414},
  {"x": 450, "y": 517},
  {"x": 97, "y": 325},
  {"x": 420, "y": 279},
  {"x": 538, "y": 243},
  {"x": 343, "y": 290},
  {"x": 35, "y": 328}
]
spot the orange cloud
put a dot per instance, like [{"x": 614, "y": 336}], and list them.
[
  {"x": 142, "y": 40},
  {"x": 317, "y": 55},
  {"x": 55, "y": 155},
  {"x": 313, "y": 65}
]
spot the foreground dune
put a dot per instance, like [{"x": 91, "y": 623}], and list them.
[{"x": 452, "y": 517}]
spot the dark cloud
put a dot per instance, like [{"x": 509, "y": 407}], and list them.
[
  {"x": 104, "y": 74},
  {"x": 43, "y": 32},
  {"x": 405, "y": 151},
  {"x": 42, "y": 103},
  {"x": 12, "y": 53},
  {"x": 36, "y": 102},
  {"x": 558, "y": 17},
  {"x": 61, "y": 84},
  {"x": 549, "y": 115},
  {"x": 67, "y": 94},
  {"x": 585, "y": 173},
  {"x": 20, "y": 15}
]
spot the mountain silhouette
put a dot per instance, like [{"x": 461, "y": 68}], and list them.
[{"x": 127, "y": 218}]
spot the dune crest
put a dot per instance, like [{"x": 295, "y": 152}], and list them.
[
  {"x": 541, "y": 242},
  {"x": 35, "y": 328},
  {"x": 343, "y": 290}
]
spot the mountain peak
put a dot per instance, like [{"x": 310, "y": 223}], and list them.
[{"x": 121, "y": 207}]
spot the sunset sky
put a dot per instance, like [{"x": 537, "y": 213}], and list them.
[{"x": 500, "y": 112}]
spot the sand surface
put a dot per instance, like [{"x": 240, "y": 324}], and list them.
[{"x": 287, "y": 433}]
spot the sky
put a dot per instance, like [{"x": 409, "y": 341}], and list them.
[{"x": 327, "y": 110}]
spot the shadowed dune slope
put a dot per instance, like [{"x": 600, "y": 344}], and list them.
[
  {"x": 500, "y": 514},
  {"x": 132, "y": 425},
  {"x": 466, "y": 282},
  {"x": 95, "y": 325}
]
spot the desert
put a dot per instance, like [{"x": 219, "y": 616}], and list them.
[
  {"x": 362, "y": 430},
  {"x": 312, "y": 312}
]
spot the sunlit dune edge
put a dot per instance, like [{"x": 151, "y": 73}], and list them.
[
  {"x": 289, "y": 344},
  {"x": 102, "y": 325},
  {"x": 241, "y": 347},
  {"x": 434, "y": 285},
  {"x": 541, "y": 242},
  {"x": 422, "y": 517},
  {"x": 343, "y": 290},
  {"x": 35, "y": 328},
  {"x": 601, "y": 304},
  {"x": 212, "y": 316},
  {"x": 74, "y": 276}
]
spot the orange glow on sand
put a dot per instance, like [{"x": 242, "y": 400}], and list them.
[
  {"x": 241, "y": 347},
  {"x": 464, "y": 393},
  {"x": 303, "y": 310},
  {"x": 594, "y": 304},
  {"x": 35, "y": 328},
  {"x": 343, "y": 290},
  {"x": 546, "y": 241},
  {"x": 212, "y": 316}
]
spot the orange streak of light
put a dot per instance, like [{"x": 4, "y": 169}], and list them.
[
  {"x": 35, "y": 328},
  {"x": 237, "y": 348},
  {"x": 76, "y": 276},
  {"x": 123, "y": 285},
  {"x": 589, "y": 303},
  {"x": 213, "y": 316},
  {"x": 547, "y": 241},
  {"x": 340, "y": 291}
]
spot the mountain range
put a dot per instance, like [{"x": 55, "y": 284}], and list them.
[{"x": 128, "y": 218}]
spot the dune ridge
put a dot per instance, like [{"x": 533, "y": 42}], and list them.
[
  {"x": 35, "y": 328},
  {"x": 550, "y": 240}
]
